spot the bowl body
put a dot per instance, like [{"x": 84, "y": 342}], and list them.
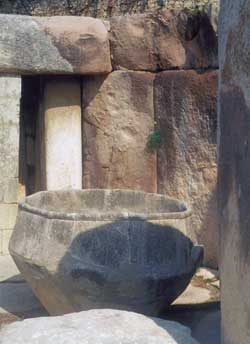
[{"x": 121, "y": 249}]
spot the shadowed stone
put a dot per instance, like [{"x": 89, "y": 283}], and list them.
[
  {"x": 234, "y": 170},
  {"x": 185, "y": 111}
]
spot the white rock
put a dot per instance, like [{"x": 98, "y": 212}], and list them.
[
  {"x": 96, "y": 327},
  {"x": 208, "y": 274}
]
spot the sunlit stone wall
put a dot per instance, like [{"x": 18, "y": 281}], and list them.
[{"x": 10, "y": 94}]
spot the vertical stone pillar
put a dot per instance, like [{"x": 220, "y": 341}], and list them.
[
  {"x": 234, "y": 170},
  {"x": 62, "y": 134},
  {"x": 10, "y": 94},
  {"x": 118, "y": 118},
  {"x": 185, "y": 111}
]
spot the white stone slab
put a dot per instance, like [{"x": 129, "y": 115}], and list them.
[{"x": 63, "y": 134}]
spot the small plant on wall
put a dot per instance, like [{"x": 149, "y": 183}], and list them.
[{"x": 154, "y": 139}]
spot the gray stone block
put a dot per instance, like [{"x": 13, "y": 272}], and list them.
[
  {"x": 86, "y": 249},
  {"x": 97, "y": 327},
  {"x": 53, "y": 45}
]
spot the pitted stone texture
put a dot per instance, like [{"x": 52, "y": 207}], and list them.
[
  {"x": 97, "y": 327},
  {"x": 234, "y": 170},
  {"x": 163, "y": 40},
  {"x": 185, "y": 111},
  {"x": 100, "y": 9},
  {"x": 53, "y": 45},
  {"x": 118, "y": 117},
  {"x": 10, "y": 94},
  {"x": 115, "y": 249}
]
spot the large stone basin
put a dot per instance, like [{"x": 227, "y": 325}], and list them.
[{"x": 122, "y": 249}]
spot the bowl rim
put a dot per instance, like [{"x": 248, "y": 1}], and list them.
[{"x": 108, "y": 215}]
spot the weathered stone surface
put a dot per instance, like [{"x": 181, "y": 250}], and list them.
[
  {"x": 234, "y": 170},
  {"x": 104, "y": 249},
  {"x": 62, "y": 134},
  {"x": 185, "y": 111},
  {"x": 100, "y": 326},
  {"x": 10, "y": 94},
  {"x": 53, "y": 45},
  {"x": 101, "y": 9},
  {"x": 118, "y": 117},
  {"x": 163, "y": 40}
]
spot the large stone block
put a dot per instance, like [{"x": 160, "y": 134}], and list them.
[
  {"x": 100, "y": 326},
  {"x": 121, "y": 249},
  {"x": 62, "y": 134},
  {"x": 163, "y": 40},
  {"x": 234, "y": 170},
  {"x": 185, "y": 111},
  {"x": 53, "y": 45},
  {"x": 118, "y": 117}
]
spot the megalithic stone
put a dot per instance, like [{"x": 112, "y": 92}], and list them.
[
  {"x": 62, "y": 134},
  {"x": 58, "y": 45}
]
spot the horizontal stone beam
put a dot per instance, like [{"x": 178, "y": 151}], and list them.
[{"x": 48, "y": 45}]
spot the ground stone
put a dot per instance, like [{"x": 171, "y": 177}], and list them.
[
  {"x": 100, "y": 327},
  {"x": 208, "y": 275},
  {"x": 193, "y": 296}
]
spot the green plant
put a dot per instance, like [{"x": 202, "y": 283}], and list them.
[{"x": 154, "y": 139}]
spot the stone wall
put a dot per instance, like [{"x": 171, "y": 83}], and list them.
[
  {"x": 148, "y": 102},
  {"x": 100, "y": 8},
  {"x": 121, "y": 114},
  {"x": 234, "y": 170},
  {"x": 10, "y": 94}
]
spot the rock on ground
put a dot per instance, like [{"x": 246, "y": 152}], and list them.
[{"x": 96, "y": 327}]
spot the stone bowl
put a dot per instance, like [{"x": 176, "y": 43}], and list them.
[{"x": 87, "y": 249}]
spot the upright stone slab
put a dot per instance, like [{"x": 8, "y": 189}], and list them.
[
  {"x": 118, "y": 117},
  {"x": 234, "y": 170},
  {"x": 185, "y": 111},
  {"x": 10, "y": 94},
  {"x": 62, "y": 134}
]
